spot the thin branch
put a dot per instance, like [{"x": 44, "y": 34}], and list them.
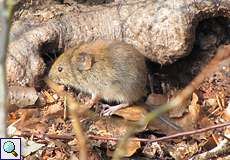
[
  {"x": 44, "y": 136},
  {"x": 187, "y": 133}
]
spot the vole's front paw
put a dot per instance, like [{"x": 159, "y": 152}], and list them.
[{"x": 110, "y": 110}]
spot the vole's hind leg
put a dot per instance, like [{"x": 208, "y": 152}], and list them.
[
  {"x": 109, "y": 110},
  {"x": 94, "y": 99}
]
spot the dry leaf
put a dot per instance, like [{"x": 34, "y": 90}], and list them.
[
  {"x": 210, "y": 143},
  {"x": 131, "y": 148},
  {"x": 48, "y": 96},
  {"x": 159, "y": 125},
  {"x": 55, "y": 110},
  {"x": 151, "y": 148},
  {"x": 111, "y": 127},
  {"x": 187, "y": 122},
  {"x": 204, "y": 122},
  {"x": 31, "y": 121},
  {"x": 156, "y": 99},
  {"x": 211, "y": 102},
  {"x": 132, "y": 113},
  {"x": 52, "y": 153},
  {"x": 190, "y": 120},
  {"x": 183, "y": 150},
  {"x": 194, "y": 109},
  {"x": 34, "y": 126},
  {"x": 180, "y": 110},
  {"x": 27, "y": 114}
]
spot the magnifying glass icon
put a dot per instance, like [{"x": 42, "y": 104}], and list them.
[{"x": 9, "y": 147}]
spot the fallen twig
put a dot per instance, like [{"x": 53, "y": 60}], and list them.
[
  {"x": 45, "y": 136},
  {"x": 187, "y": 133}
]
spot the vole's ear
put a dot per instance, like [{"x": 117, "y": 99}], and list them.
[{"x": 83, "y": 61}]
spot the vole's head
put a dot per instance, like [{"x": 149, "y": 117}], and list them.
[
  {"x": 60, "y": 71},
  {"x": 70, "y": 66}
]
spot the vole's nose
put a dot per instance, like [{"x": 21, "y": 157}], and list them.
[{"x": 49, "y": 75}]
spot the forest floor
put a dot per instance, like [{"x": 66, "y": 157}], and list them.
[{"x": 51, "y": 126}]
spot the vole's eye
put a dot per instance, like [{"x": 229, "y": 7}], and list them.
[{"x": 60, "y": 69}]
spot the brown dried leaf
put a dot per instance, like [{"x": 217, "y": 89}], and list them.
[
  {"x": 27, "y": 114},
  {"x": 210, "y": 142},
  {"x": 131, "y": 148},
  {"x": 35, "y": 126},
  {"x": 151, "y": 148},
  {"x": 12, "y": 117},
  {"x": 22, "y": 115},
  {"x": 179, "y": 111},
  {"x": 194, "y": 108},
  {"x": 187, "y": 122},
  {"x": 55, "y": 110},
  {"x": 157, "y": 124},
  {"x": 204, "y": 122},
  {"x": 190, "y": 120},
  {"x": 52, "y": 154},
  {"x": 112, "y": 127},
  {"x": 211, "y": 102},
  {"x": 183, "y": 150},
  {"x": 132, "y": 113},
  {"x": 48, "y": 96},
  {"x": 31, "y": 120},
  {"x": 156, "y": 99}
]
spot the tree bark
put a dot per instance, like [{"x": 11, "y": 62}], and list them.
[{"x": 162, "y": 30}]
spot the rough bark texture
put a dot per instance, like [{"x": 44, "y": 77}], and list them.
[{"x": 163, "y": 31}]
